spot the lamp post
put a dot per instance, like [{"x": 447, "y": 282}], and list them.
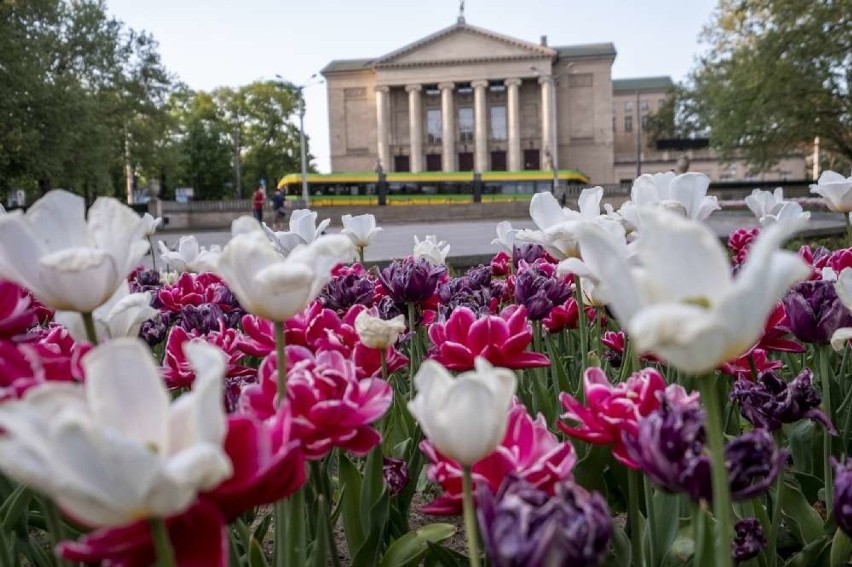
[{"x": 300, "y": 92}]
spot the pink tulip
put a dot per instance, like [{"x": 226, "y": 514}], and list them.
[
  {"x": 45, "y": 354},
  {"x": 17, "y": 310},
  {"x": 268, "y": 466},
  {"x": 331, "y": 406},
  {"x": 612, "y": 411},
  {"x": 500, "y": 339},
  {"x": 776, "y": 335},
  {"x": 528, "y": 450},
  {"x": 741, "y": 367},
  {"x": 177, "y": 371}
]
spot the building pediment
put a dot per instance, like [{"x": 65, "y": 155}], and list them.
[{"x": 463, "y": 43}]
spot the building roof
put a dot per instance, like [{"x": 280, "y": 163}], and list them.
[
  {"x": 346, "y": 65},
  {"x": 662, "y": 83},
  {"x": 586, "y": 50}
]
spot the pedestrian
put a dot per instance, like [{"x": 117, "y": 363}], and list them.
[
  {"x": 257, "y": 201},
  {"x": 280, "y": 211}
]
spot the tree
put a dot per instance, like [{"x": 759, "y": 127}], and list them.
[{"x": 776, "y": 75}]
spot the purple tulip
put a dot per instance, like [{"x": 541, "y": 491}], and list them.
[
  {"x": 462, "y": 292},
  {"x": 772, "y": 402},
  {"x": 155, "y": 329},
  {"x": 815, "y": 311},
  {"x": 479, "y": 277},
  {"x": 754, "y": 463},
  {"x": 539, "y": 290},
  {"x": 748, "y": 540},
  {"x": 146, "y": 280},
  {"x": 523, "y": 526},
  {"x": 411, "y": 280},
  {"x": 843, "y": 495},
  {"x": 528, "y": 253},
  {"x": 344, "y": 291},
  {"x": 203, "y": 318},
  {"x": 396, "y": 475}
]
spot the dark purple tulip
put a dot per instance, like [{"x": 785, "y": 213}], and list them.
[
  {"x": 528, "y": 253},
  {"x": 225, "y": 299},
  {"x": 146, "y": 280},
  {"x": 344, "y": 291},
  {"x": 539, "y": 290},
  {"x": 523, "y": 526},
  {"x": 411, "y": 280},
  {"x": 396, "y": 475},
  {"x": 754, "y": 463},
  {"x": 203, "y": 318},
  {"x": 772, "y": 402},
  {"x": 461, "y": 292},
  {"x": 479, "y": 277},
  {"x": 388, "y": 308},
  {"x": 815, "y": 311},
  {"x": 748, "y": 540},
  {"x": 843, "y": 495},
  {"x": 154, "y": 330}
]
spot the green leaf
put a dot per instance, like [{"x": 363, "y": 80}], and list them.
[
  {"x": 256, "y": 557},
  {"x": 408, "y": 549},
  {"x": 805, "y": 444},
  {"x": 368, "y": 554},
  {"x": 666, "y": 521},
  {"x": 319, "y": 554},
  {"x": 262, "y": 528},
  {"x": 350, "y": 481},
  {"x": 808, "y": 557},
  {"x": 373, "y": 483},
  {"x": 807, "y": 523},
  {"x": 841, "y": 550},
  {"x": 15, "y": 506},
  {"x": 619, "y": 550},
  {"x": 440, "y": 555}
]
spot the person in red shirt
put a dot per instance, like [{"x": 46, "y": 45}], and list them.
[{"x": 257, "y": 201}]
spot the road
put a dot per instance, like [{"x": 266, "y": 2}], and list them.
[{"x": 473, "y": 238}]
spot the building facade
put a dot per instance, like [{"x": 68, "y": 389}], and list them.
[{"x": 469, "y": 99}]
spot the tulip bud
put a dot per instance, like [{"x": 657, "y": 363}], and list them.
[
  {"x": 375, "y": 332},
  {"x": 476, "y": 403}
]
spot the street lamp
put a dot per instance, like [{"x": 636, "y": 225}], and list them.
[{"x": 306, "y": 196}]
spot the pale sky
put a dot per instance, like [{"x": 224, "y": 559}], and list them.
[{"x": 210, "y": 43}]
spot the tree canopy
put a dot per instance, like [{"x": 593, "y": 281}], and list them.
[
  {"x": 87, "y": 103},
  {"x": 775, "y": 75}
]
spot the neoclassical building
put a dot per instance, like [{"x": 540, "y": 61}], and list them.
[{"x": 469, "y": 99}]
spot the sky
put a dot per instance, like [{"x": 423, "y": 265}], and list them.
[{"x": 211, "y": 43}]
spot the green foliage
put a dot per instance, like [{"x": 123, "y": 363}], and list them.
[{"x": 775, "y": 74}]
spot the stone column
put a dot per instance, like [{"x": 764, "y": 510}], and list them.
[
  {"x": 548, "y": 121},
  {"x": 449, "y": 158},
  {"x": 415, "y": 127},
  {"x": 383, "y": 126},
  {"x": 480, "y": 132},
  {"x": 514, "y": 124}
]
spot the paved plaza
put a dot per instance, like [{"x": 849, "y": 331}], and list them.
[{"x": 471, "y": 241}]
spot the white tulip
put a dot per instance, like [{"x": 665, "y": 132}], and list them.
[
  {"x": 505, "y": 237},
  {"x": 69, "y": 261},
  {"x": 762, "y": 203},
  {"x": 375, "y": 332},
  {"x": 277, "y": 288},
  {"x": 121, "y": 316},
  {"x": 558, "y": 226},
  {"x": 786, "y": 212},
  {"x": 189, "y": 256},
  {"x": 685, "y": 194},
  {"x": 151, "y": 224},
  {"x": 432, "y": 249},
  {"x": 681, "y": 302},
  {"x": 836, "y": 190},
  {"x": 361, "y": 229},
  {"x": 115, "y": 449},
  {"x": 303, "y": 223},
  {"x": 465, "y": 417}
]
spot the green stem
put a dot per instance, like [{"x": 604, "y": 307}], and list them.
[
  {"x": 384, "y": 356},
  {"x": 772, "y": 540},
  {"x": 89, "y": 324},
  {"x": 470, "y": 517},
  {"x": 652, "y": 522},
  {"x": 282, "y": 362},
  {"x": 296, "y": 529},
  {"x": 582, "y": 324},
  {"x": 721, "y": 488},
  {"x": 153, "y": 253},
  {"x": 848, "y": 229},
  {"x": 163, "y": 547},
  {"x": 826, "y": 377},
  {"x": 324, "y": 489},
  {"x": 361, "y": 254},
  {"x": 413, "y": 363},
  {"x": 634, "y": 516},
  {"x": 763, "y": 518},
  {"x": 54, "y": 526}
]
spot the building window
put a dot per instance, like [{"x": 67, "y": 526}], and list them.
[
  {"x": 614, "y": 123},
  {"x": 498, "y": 123},
  {"x": 433, "y": 125},
  {"x": 466, "y": 125},
  {"x": 644, "y": 106},
  {"x": 628, "y": 123},
  {"x": 628, "y": 107},
  {"x": 644, "y": 122}
]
